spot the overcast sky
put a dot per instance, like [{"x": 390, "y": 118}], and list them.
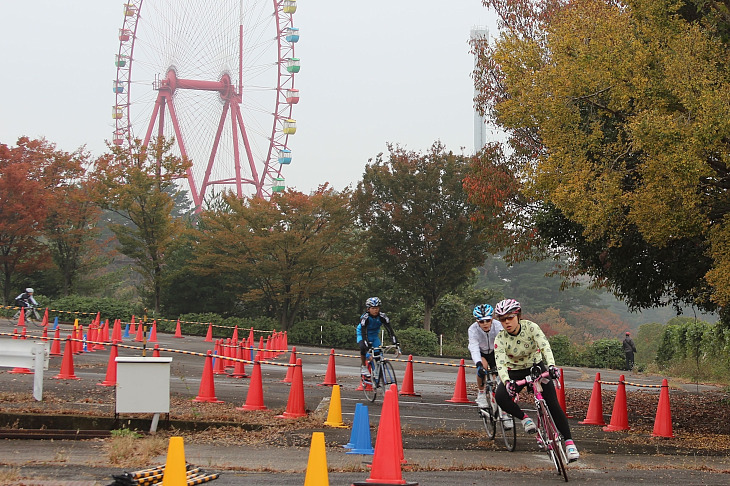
[{"x": 372, "y": 72}]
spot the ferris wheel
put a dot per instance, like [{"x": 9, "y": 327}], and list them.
[{"x": 218, "y": 76}]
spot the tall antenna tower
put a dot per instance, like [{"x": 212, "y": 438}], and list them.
[{"x": 480, "y": 125}]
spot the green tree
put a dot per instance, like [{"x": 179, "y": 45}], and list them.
[
  {"x": 417, "y": 217},
  {"x": 618, "y": 123},
  {"x": 284, "y": 251},
  {"x": 139, "y": 185}
]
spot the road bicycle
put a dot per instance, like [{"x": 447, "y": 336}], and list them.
[
  {"x": 31, "y": 315},
  {"x": 548, "y": 437},
  {"x": 494, "y": 418},
  {"x": 382, "y": 374}
]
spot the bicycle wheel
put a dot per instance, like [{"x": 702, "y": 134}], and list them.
[
  {"x": 554, "y": 442},
  {"x": 508, "y": 435},
  {"x": 387, "y": 374},
  {"x": 369, "y": 386},
  {"x": 34, "y": 317},
  {"x": 490, "y": 426}
]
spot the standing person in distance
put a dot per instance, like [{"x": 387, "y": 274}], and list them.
[
  {"x": 517, "y": 348},
  {"x": 368, "y": 331},
  {"x": 481, "y": 346},
  {"x": 629, "y": 350}
]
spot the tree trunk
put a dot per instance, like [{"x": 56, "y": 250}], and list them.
[{"x": 427, "y": 316}]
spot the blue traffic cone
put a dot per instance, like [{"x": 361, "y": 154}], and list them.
[
  {"x": 363, "y": 444},
  {"x": 355, "y": 426},
  {"x": 126, "y": 331},
  {"x": 55, "y": 323}
]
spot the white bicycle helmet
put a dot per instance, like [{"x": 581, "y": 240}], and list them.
[
  {"x": 507, "y": 306},
  {"x": 29, "y": 290}
]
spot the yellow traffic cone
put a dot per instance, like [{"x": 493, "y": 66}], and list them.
[
  {"x": 334, "y": 416},
  {"x": 175, "y": 472},
  {"x": 317, "y": 465}
]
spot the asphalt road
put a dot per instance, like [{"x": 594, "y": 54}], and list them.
[{"x": 450, "y": 453}]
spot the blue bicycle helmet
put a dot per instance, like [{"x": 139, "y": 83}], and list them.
[
  {"x": 483, "y": 312},
  {"x": 372, "y": 302}
]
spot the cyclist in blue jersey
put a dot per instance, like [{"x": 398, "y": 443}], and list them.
[{"x": 368, "y": 331}]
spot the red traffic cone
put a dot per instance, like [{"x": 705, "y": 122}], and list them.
[
  {"x": 111, "y": 368},
  {"x": 399, "y": 434},
  {"x": 620, "y": 414},
  {"x": 561, "y": 394},
  {"x": 156, "y": 351},
  {"x": 44, "y": 336},
  {"x": 56, "y": 344},
  {"x": 386, "y": 467},
  {"x": 290, "y": 368},
  {"x": 117, "y": 330},
  {"x": 295, "y": 404},
  {"x": 234, "y": 338},
  {"x": 21, "y": 317},
  {"x": 132, "y": 329},
  {"x": 460, "y": 388},
  {"x": 330, "y": 378},
  {"x": 239, "y": 370},
  {"x": 218, "y": 367},
  {"x": 206, "y": 392},
  {"x": 255, "y": 396},
  {"x": 178, "y": 331},
  {"x": 595, "y": 406},
  {"x": 407, "y": 386},
  {"x": 67, "y": 365},
  {"x": 140, "y": 333},
  {"x": 209, "y": 336},
  {"x": 153, "y": 332},
  {"x": 44, "y": 322},
  {"x": 663, "y": 420}
]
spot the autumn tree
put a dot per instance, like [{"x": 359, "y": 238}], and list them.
[
  {"x": 417, "y": 217},
  {"x": 619, "y": 138},
  {"x": 22, "y": 212},
  {"x": 282, "y": 251},
  {"x": 140, "y": 185}
]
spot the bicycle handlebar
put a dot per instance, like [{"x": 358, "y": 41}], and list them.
[
  {"x": 384, "y": 349},
  {"x": 531, "y": 378}
]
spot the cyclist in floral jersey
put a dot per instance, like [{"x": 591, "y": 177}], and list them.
[{"x": 519, "y": 346}]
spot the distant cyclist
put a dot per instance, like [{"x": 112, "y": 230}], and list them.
[
  {"x": 520, "y": 345},
  {"x": 26, "y": 299},
  {"x": 481, "y": 346},
  {"x": 368, "y": 331}
]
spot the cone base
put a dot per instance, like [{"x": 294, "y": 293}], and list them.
[
  {"x": 340, "y": 425},
  {"x": 59, "y": 377},
  {"x": 207, "y": 400},
  {"x": 669, "y": 436},
  {"x": 22, "y": 371},
  {"x": 592, "y": 422},
  {"x": 615, "y": 428},
  {"x": 406, "y": 394},
  {"x": 460, "y": 400},
  {"x": 291, "y": 415},
  {"x": 379, "y": 482},
  {"x": 367, "y": 452},
  {"x": 252, "y": 407}
]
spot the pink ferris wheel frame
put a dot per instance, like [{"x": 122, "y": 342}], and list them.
[{"x": 260, "y": 175}]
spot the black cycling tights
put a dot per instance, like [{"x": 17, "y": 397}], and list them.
[{"x": 548, "y": 393}]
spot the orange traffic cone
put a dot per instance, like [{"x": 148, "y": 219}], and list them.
[
  {"x": 460, "y": 388},
  {"x": 111, "y": 368},
  {"x": 209, "y": 336},
  {"x": 330, "y": 378},
  {"x": 117, "y": 331},
  {"x": 239, "y": 370},
  {"x": 234, "y": 338},
  {"x": 407, "y": 386},
  {"x": 132, "y": 329},
  {"x": 255, "y": 396},
  {"x": 620, "y": 414},
  {"x": 399, "y": 434},
  {"x": 56, "y": 344},
  {"x": 290, "y": 368},
  {"x": 44, "y": 322},
  {"x": 206, "y": 392},
  {"x": 156, "y": 351},
  {"x": 663, "y": 420},
  {"x": 295, "y": 404},
  {"x": 44, "y": 336},
  {"x": 561, "y": 394},
  {"x": 21, "y": 317},
  {"x": 386, "y": 467},
  {"x": 140, "y": 333},
  {"x": 178, "y": 331},
  {"x": 153, "y": 332},
  {"x": 218, "y": 367},
  {"x": 67, "y": 365},
  {"x": 595, "y": 406}
]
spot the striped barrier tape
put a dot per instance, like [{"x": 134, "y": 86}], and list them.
[{"x": 640, "y": 385}]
